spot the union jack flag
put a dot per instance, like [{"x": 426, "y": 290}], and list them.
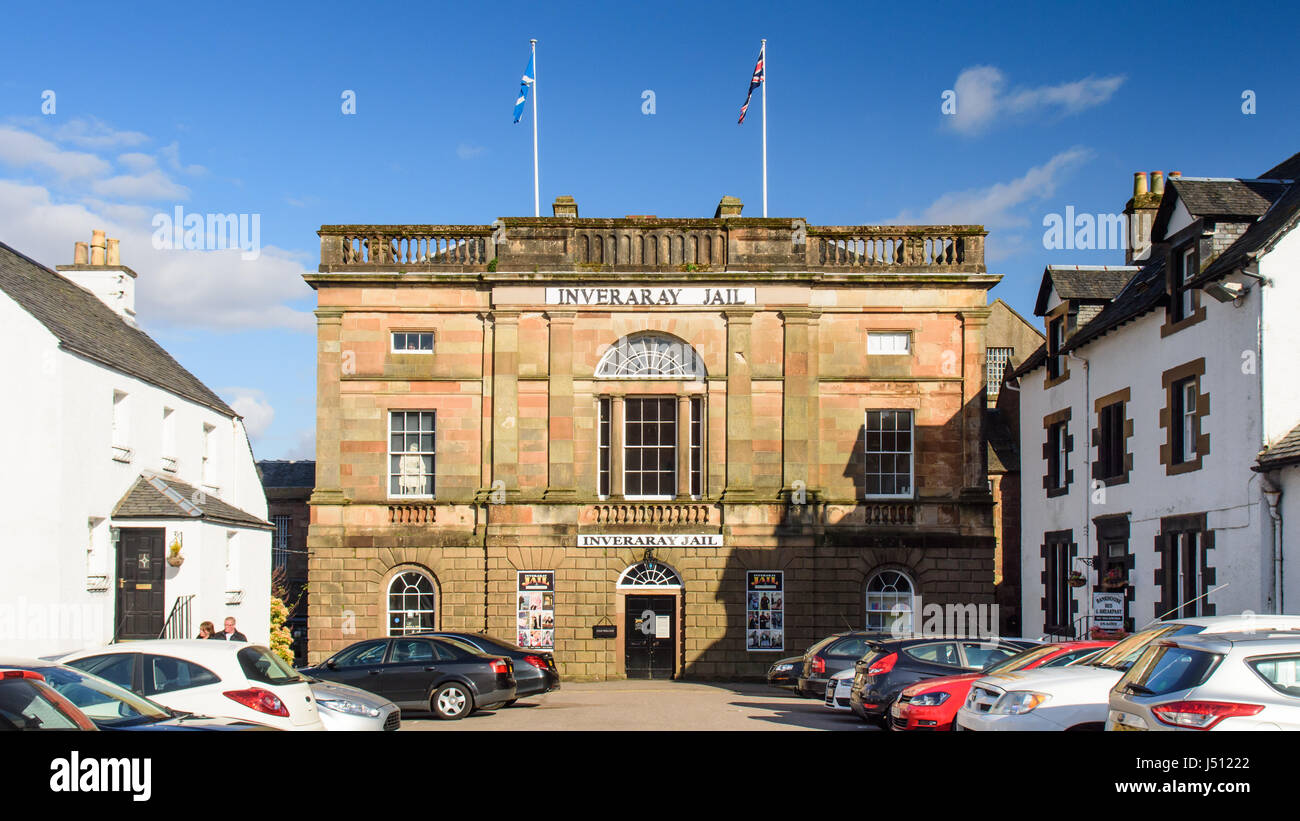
[{"x": 754, "y": 82}]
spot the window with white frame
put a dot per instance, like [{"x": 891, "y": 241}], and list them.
[
  {"x": 121, "y": 427},
  {"x": 995, "y": 369},
  {"x": 210, "y": 466},
  {"x": 888, "y": 443},
  {"x": 412, "y": 342},
  {"x": 1185, "y": 577},
  {"x": 1185, "y": 405},
  {"x": 697, "y": 447},
  {"x": 602, "y": 433},
  {"x": 890, "y": 602},
  {"x": 232, "y": 560},
  {"x": 650, "y": 356},
  {"x": 411, "y": 604},
  {"x": 411, "y": 453},
  {"x": 280, "y": 546},
  {"x": 169, "y": 440},
  {"x": 650, "y": 447},
  {"x": 1186, "y": 304},
  {"x": 891, "y": 343}
]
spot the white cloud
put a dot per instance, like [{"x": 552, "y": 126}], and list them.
[
  {"x": 251, "y": 404},
  {"x": 176, "y": 289},
  {"x": 137, "y": 162},
  {"x": 982, "y": 98},
  {"x": 22, "y": 149},
  {"x": 172, "y": 153},
  {"x": 468, "y": 152},
  {"x": 305, "y": 447},
  {"x": 90, "y": 132},
  {"x": 150, "y": 186}
]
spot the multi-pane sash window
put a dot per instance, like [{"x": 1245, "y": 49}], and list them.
[
  {"x": 412, "y": 342},
  {"x": 411, "y": 453},
  {"x": 1058, "y": 467},
  {"x": 995, "y": 369},
  {"x": 888, "y": 454},
  {"x": 603, "y": 445},
  {"x": 889, "y": 344},
  {"x": 1184, "y": 421},
  {"x": 650, "y": 447},
  {"x": 1110, "y": 447},
  {"x": 697, "y": 447},
  {"x": 280, "y": 547},
  {"x": 411, "y": 604},
  {"x": 1184, "y": 576},
  {"x": 1188, "y": 265}
]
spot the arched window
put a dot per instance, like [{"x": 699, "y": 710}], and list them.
[
  {"x": 650, "y": 356},
  {"x": 411, "y": 601},
  {"x": 891, "y": 602},
  {"x": 649, "y": 574}
]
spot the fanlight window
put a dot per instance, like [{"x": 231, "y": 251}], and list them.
[
  {"x": 649, "y": 574},
  {"x": 651, "y": 357},
  {"x": 890, "y": 602},
  {"x": 410, "y": 604}
]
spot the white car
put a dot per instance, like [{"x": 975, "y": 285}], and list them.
[
  {"x": 838, "y": 690},
  {"x": 215, "y": 678},
  {"x": 1224, "y": 681},
  {"x": 1077, "y": 697},
  {"x": 347, "y": 708}
]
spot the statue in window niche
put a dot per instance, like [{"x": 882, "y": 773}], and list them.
[{"x": 410, "y": 469}]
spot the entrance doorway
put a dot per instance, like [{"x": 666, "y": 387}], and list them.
[
  {"x": 651, "y": 634},
  {"x": 140, "y": 583}
]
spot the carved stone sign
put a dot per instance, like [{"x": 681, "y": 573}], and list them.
[
  {"x": 650, "y": 296},
  {"x": 651, "y": 540}
]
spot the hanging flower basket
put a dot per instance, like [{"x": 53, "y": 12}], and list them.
[
  {"x": 1076, "y": 579},
  {"x": 175, "y": 560},
  {"x": 1115, "y": 579},
  {"x": 174, "y": 557}
]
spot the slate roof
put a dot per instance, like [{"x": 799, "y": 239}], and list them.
[
  {"x": 1145, "y": 291},
  {"x": 1259, "y": 237},
  {"x": 155, "y": 497},
  {"x": 1098, "y": 283},
  {"x": 1285, "y": 452},
  {"x": 1288, "y": 169},
  {"x": 282, "y": 473},
  {"x": 1227, "y": 198},
  {"x": 86, "y": 326}
]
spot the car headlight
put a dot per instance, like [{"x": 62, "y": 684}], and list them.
[
  {"x": 351, "y": 708},
  {"x": 1018, "y": 702},
  {"x": 929, "y": 699}
]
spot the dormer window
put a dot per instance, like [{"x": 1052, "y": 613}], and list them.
[{"x": 1184, "y": 302}]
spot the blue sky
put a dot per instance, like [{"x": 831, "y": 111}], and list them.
[{"x": 239, "y": 111}]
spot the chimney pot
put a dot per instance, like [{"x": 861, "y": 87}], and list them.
[
  {"x": 114, "y": 255},
  {"x": 1139, "y": 183},
  {"x": 1173, "y": 175},
  {"x": 565, "y": 206},
  {"x": 728, "y": 207},
  {"x": 80, "y": 254},
  {"x": 97, "y": 247},
  {"x": 1158, "y": 182}
]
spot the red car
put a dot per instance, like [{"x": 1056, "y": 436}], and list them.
[{"x": 933, "y": 704}]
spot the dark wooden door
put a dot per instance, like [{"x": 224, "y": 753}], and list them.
[
  {"x": 140, "y": 583},
  {"x": 648, "y": 651}
]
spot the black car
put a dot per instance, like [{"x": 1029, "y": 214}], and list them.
[
  {"x": 419, "y": 673},
  {"x": 535, "y": 671},
  {"x": 892, "y": 664},
  {"x": 828, "y": 657},
  {"x": 785, "y": 672},
  {"x": 111, "y": 707}
]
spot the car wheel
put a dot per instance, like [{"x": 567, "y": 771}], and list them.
[{"x": 452, "y": 701}]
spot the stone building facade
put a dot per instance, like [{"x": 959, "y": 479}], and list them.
[{"x": 663, "y": 447}]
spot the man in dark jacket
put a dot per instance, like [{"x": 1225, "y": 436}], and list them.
[{"x": 230, "y": 633}]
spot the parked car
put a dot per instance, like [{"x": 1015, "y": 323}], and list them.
[
  {"x": 111, "y": 707},
  {"x": 829, "y": 656},
  {"x": 1078, "y": 697},
  {"x": 352, "y": 709},
  {"x": 422, "y": 673},
  {"x": 889, "y": 665},
  {"x": 1225, "y": 681},
  {"x": 784, "y": 673},
  {"x": 223, "y": 679},
  {"x": 838, "y": 690},
  {"x": 933, "y": 704},
  {"x": 28, "y": 703},
  {"x": 535, "y": 672}
]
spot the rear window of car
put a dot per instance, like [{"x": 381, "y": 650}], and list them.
[
  {"x": 164, "y": 674},
  {"x": 1282, "y": 673},
  {"x": 450, "y": 649},
  {"x": 854, "y": 646},
  {"x": 261, "y": 665},
  {"x": 1164, "y": 669},
  {"x": 944, "y": 653},
  {"x": 816, "y": 648},
  {"x": 115, "y": 667}
]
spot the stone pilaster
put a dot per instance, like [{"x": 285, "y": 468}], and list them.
[
  {"x": 505, "y": 401},
  {"x": 683, "y": 447},
  {"x": 740, "y": 408},
  {"x": 974, "y": 457},
  {"x": 560, "y": 478},
  {"x": 616, "y": 447},
  {"x": 330, "y": 363},
  {"x": 800, "y": 460}
]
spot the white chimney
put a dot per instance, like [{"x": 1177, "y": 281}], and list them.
[{"x": 104, "y": 276}]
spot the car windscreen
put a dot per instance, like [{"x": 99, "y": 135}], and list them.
[
  {"x": 24, "y": 706},
  {"x": 102, "y": 701},
  {"x": 261, "y": 665},
  {"x": 1125, "y": 652},
  {"x": 819, "y": 645},
  {"x": 1164, "y": 668},
  {"x": 1020, "y": 660}
]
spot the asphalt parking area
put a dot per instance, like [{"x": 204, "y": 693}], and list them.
[{"x": 654, "y": 705}]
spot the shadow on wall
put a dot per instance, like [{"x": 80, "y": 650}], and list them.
[{"x": 829, "y": 549}]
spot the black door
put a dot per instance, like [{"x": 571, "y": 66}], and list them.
[
  {"x": 651, "y": 630},
  {"x": 140, "y": 583}
]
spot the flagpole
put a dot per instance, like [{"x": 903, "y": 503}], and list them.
[
  {"x": 763, "y": 52},
  {"x": 537, "y": 203}
]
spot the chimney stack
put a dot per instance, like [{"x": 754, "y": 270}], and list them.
[
  {"x": 1140, "y": 214},
  {"x": 565, "y": 206},
  {"x": 728, "y": 207},
  {"x": 103, "y": 275}
]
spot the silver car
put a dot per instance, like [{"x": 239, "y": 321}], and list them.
[
  {"x": 1220, "y": 681},
  {"x": 343, "y": 707}
]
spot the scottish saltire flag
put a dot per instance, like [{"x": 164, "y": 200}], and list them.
[
  {"x": 754, "y": 82},
  {"x": 523, "y": 89}
]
